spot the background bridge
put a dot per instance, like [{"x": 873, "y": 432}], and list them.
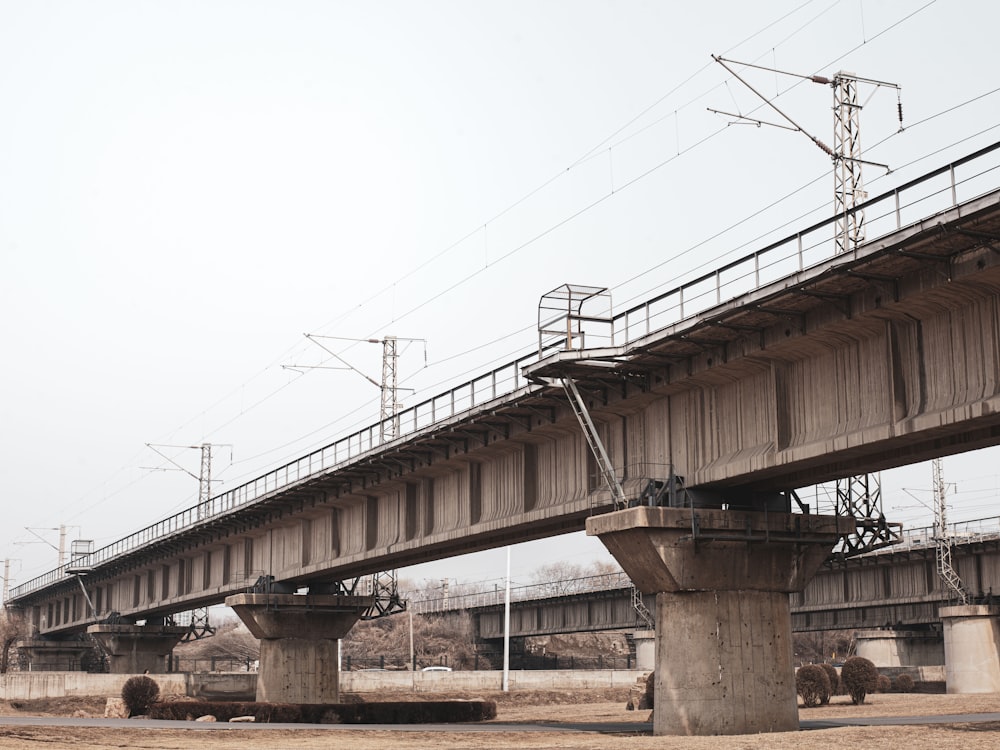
[{"x": 895, "y": 587}]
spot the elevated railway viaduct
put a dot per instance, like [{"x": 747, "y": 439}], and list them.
[{"x": 785, "y": 368}]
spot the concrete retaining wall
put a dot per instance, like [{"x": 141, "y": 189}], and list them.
[
  {"x": 240, "y": 685},
  {"x": 30, "y": 685},
  {"x": 420, "y": 682}
]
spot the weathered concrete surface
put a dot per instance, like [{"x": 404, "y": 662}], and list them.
[
  {"x": 972, "y": 648},
  {"x": 137, "y": 648},
  {"x": 724, "y": 662},
  {"x": 900, "y": 648},
  {"x": 227, "y": 685},
  {"x": 32, "y": 685},
  {"x": 299, "y": 654}
]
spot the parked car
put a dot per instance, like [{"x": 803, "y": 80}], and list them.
[{"x": 436, "y": 669}]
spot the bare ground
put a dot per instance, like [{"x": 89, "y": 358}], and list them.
[{"x": 540, "y": 707}]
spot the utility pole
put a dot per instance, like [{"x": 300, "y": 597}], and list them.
[
  {"x": 204, "y": 476},
  {"x": 848, "y": 186},
  {"x": 859, "y": 496},
  {"x": 389, "y": 387},
  {"x": 942, "y": 538},
  {"x": 61, "y": 549},
  {"x": 384, "y": 585},
  {"x": 199, "y": 625},
  {"x": 6, "y": 579}
]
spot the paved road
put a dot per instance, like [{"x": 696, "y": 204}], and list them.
[{"x": 623, "y": 727}]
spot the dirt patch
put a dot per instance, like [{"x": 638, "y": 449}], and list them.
[{"x": 90, "y": 705}]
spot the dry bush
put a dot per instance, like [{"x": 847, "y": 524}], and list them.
[
  {"x": 813, "y": 684},
  {"x": 859, "y": 677},
  {"x": 831, "y": 672},
  {"x": 904, "y": 683},
  {"x": 12, "y": 627},
  {"x": 139, "y": 693},
  {"x": 883, "y": 684}
]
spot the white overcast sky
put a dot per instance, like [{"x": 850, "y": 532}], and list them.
[{"x": 188, "y": 187}]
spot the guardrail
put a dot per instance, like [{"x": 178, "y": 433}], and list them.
[
  {"x": 960, "y": 532},
  {"x": 529, "y": 592},
  {"x": 939, "y": 190}
]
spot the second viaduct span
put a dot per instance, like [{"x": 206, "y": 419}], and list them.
[{"x": 785, "y": 368}]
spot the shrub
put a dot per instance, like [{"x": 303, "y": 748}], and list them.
[
  {"x": 883, "y": 684},
  {"x": 904, "y": 683},
  {"x": 813, "y": 684},
  {"x": 859, "y": 677},
  {"x": 831, "y": 672},
  {"x": 649, "y": 689},
  {"x": 139, "y": 693}
]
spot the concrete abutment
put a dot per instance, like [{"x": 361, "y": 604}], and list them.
[
  {"x": 722, "y": 580},
  {"x": 298, "y": 642}
]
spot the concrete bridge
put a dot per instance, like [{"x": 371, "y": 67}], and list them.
[{"x": 787, "y": 367}]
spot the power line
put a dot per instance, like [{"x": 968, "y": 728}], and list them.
[{"x": 553, "y": 227}]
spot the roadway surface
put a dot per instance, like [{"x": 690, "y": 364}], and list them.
[{"x": 607, "y": 727}]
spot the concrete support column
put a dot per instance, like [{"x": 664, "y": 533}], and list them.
[
  {"x": 900, "y": 648},
  {"x": 722, "y": 579},
  {"x": 645, "y": 649},
  {"x": 50, "y": 656},
  {"x": 972, "y": 648},
  {"x": 134, "y": 649},
  {"x": 298, "y": 642}
]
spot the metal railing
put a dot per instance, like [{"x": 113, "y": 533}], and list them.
[
  {"x": 960, "y": 532},
  {"x": 939, "y": 190},
  {"x": 529, "y": 592}
]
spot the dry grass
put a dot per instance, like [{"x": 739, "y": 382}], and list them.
[{"x": 555, "y": 706}]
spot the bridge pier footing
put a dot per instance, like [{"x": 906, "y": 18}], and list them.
[
  {"x": 722, "y": 580},
  {"x": 134, "y": 649},
  {"x": 971, "y": 648},
  {"x": 298, "y": 642}
]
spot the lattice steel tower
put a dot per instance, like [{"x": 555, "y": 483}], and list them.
[{"x": 858, "y": 496}]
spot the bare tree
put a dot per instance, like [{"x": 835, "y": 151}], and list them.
[
  {"x": 561, "y": 578},
  {"x": 231, "y": 640},
  {"x": 12, "y": 627}
]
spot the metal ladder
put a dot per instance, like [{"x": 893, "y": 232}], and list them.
[{"x": 579, "y": 407}]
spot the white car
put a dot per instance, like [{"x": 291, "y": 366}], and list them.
[{"x": 436, "y": 669}]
